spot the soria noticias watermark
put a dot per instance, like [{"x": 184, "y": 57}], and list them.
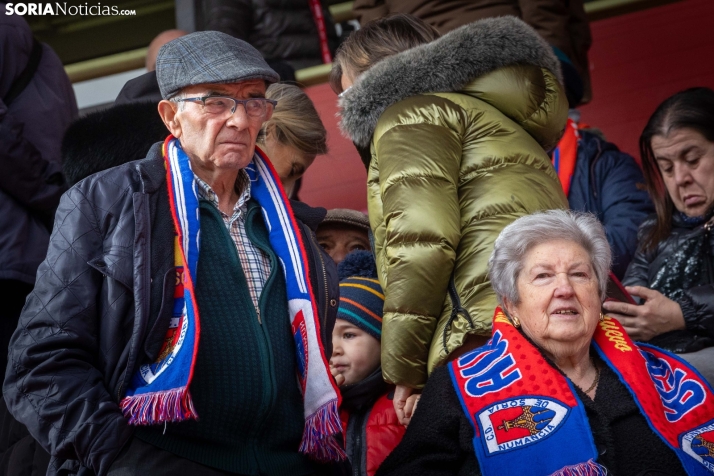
[{"x": 61, "y": 8}]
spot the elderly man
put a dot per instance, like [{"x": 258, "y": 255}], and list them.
[{"x": 181, "y": 296}]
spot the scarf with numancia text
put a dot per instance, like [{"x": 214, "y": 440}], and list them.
[
  {"x": 528, "y": 419},
  {"x": 159, "y": 392}
]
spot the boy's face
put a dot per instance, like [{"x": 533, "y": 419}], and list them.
[{"x": 355, "y": 353}]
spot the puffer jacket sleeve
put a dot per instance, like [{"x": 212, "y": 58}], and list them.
[
  {"x": 418, "y": 174},
  {"x": 52, "y": 384}
]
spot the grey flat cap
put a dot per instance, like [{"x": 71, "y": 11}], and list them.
[
  {"x": 345, "y": 216},
  {"x": 208, "y": 57}
]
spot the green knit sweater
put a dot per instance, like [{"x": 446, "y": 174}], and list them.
[{"x": 244, "y": 386}]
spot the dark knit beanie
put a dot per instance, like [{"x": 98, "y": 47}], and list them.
[{"x": 361, "y": 297}]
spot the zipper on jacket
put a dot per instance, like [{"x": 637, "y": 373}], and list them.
[
  {"x": 146, "y": 306},
  {"x": 359, "y": 459},
  {"x": 707, "y": 249},
  {"x": 324, "y": 279},
  {"x": 456, "y": 310}
]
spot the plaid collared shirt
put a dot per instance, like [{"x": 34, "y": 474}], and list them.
[{"x": 255, "y": 263}]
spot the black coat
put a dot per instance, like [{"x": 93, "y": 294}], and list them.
[
  {"x": 31, "y": 129},
  {"x": 439, "y": 438},
  {"x": 681, "y": 268},
  {"x": 101, "y": 307},
  {"x": 279, "y": 29}
]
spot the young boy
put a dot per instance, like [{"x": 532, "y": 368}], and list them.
[{"x": 370, "y": 425}]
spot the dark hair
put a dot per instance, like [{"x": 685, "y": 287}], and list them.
[
  {"x": 689, "y": 109},
  {"x": 377, "y": 40}
]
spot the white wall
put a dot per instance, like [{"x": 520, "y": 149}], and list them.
[{"x": 95, "y": 92}]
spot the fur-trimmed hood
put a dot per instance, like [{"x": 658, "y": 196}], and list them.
[{"x": 447, "y": 64}]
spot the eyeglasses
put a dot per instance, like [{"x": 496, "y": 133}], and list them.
[
  {"x": 220, "y": 105},
  {"x": 342, "y": 94}
]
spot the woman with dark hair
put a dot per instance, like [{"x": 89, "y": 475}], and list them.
[
  {"x": 455, "y": 128},
  {"x": 673, "y": 270}
]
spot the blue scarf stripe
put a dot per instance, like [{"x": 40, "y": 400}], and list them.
[
  {"x": 297, "y": 272},
  {"x": 691, "y": 467}
]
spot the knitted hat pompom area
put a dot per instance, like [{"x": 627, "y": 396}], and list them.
[{"x": 361, "y": 296}]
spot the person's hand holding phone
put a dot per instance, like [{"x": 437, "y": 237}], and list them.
[{"x": 656, "y": 316}]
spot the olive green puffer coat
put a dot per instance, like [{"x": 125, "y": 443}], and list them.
[{"x": 448, "y": 171}]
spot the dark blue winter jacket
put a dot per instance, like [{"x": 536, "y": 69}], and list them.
[{"x": 610, "y": 184}]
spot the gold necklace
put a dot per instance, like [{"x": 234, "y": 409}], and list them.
[{"x": 597, "y": 379}]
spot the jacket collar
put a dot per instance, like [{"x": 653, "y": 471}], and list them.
[
  {"x": 364, "y": 393},
  {"x": 444, "y": 65},
  {"x": 152, "y": 170}
]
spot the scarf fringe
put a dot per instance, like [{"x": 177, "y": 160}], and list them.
[
  {"x": 159, "y": 407},
  {"x": 319, "y": 437},
  {"x": 589, "y": 468}
]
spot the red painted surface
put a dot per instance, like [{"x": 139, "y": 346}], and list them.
[
  {"x": 637, "y": 61},
  {"x": 640, "y": 59},
  {"x": 338, "y": 179}
]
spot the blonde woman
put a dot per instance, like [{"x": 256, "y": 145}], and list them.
[{"x": 294, "y": 136}]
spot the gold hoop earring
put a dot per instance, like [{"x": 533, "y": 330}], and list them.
[
  {"x": 516, "y": 322},
  {"x": 602, "y": 318}
]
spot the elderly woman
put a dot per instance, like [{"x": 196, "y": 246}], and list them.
[
  {"x": 673, "y": 269},
  {"x": 560, "y": 388}
]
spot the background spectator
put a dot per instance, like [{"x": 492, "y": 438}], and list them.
[
  {"x": 673, "y": 270},
  {"x": 284, "y": 32},
  {"x": 342, "y": 232},
  {"x": 121, "y": 133},
  {"x": 598, "y": 178},
  {"x": 294, "y": 136},
  {"x": 562, "y": 23},
  {"x": 37, "y": 104},
  {"x": 156, "y": 44},
  {"x": 370, "y": 425},
  {"x": 448, "y": 170}
]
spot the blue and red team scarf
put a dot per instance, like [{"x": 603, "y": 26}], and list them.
[
  {"x": 528, "y": 419},
  {"x": 159, "y": 392},
  {"x": 565, "y": 155}
]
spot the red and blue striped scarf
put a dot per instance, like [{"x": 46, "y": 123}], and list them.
[
  {"x": 528, "y": 419},
  {"x": 159, "y": 392}
]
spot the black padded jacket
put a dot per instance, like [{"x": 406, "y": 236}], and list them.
[
  {"x": 279, "y": 29},
  {"x": 681, "y": 268},
  {"x": 101, "y": 307}
]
